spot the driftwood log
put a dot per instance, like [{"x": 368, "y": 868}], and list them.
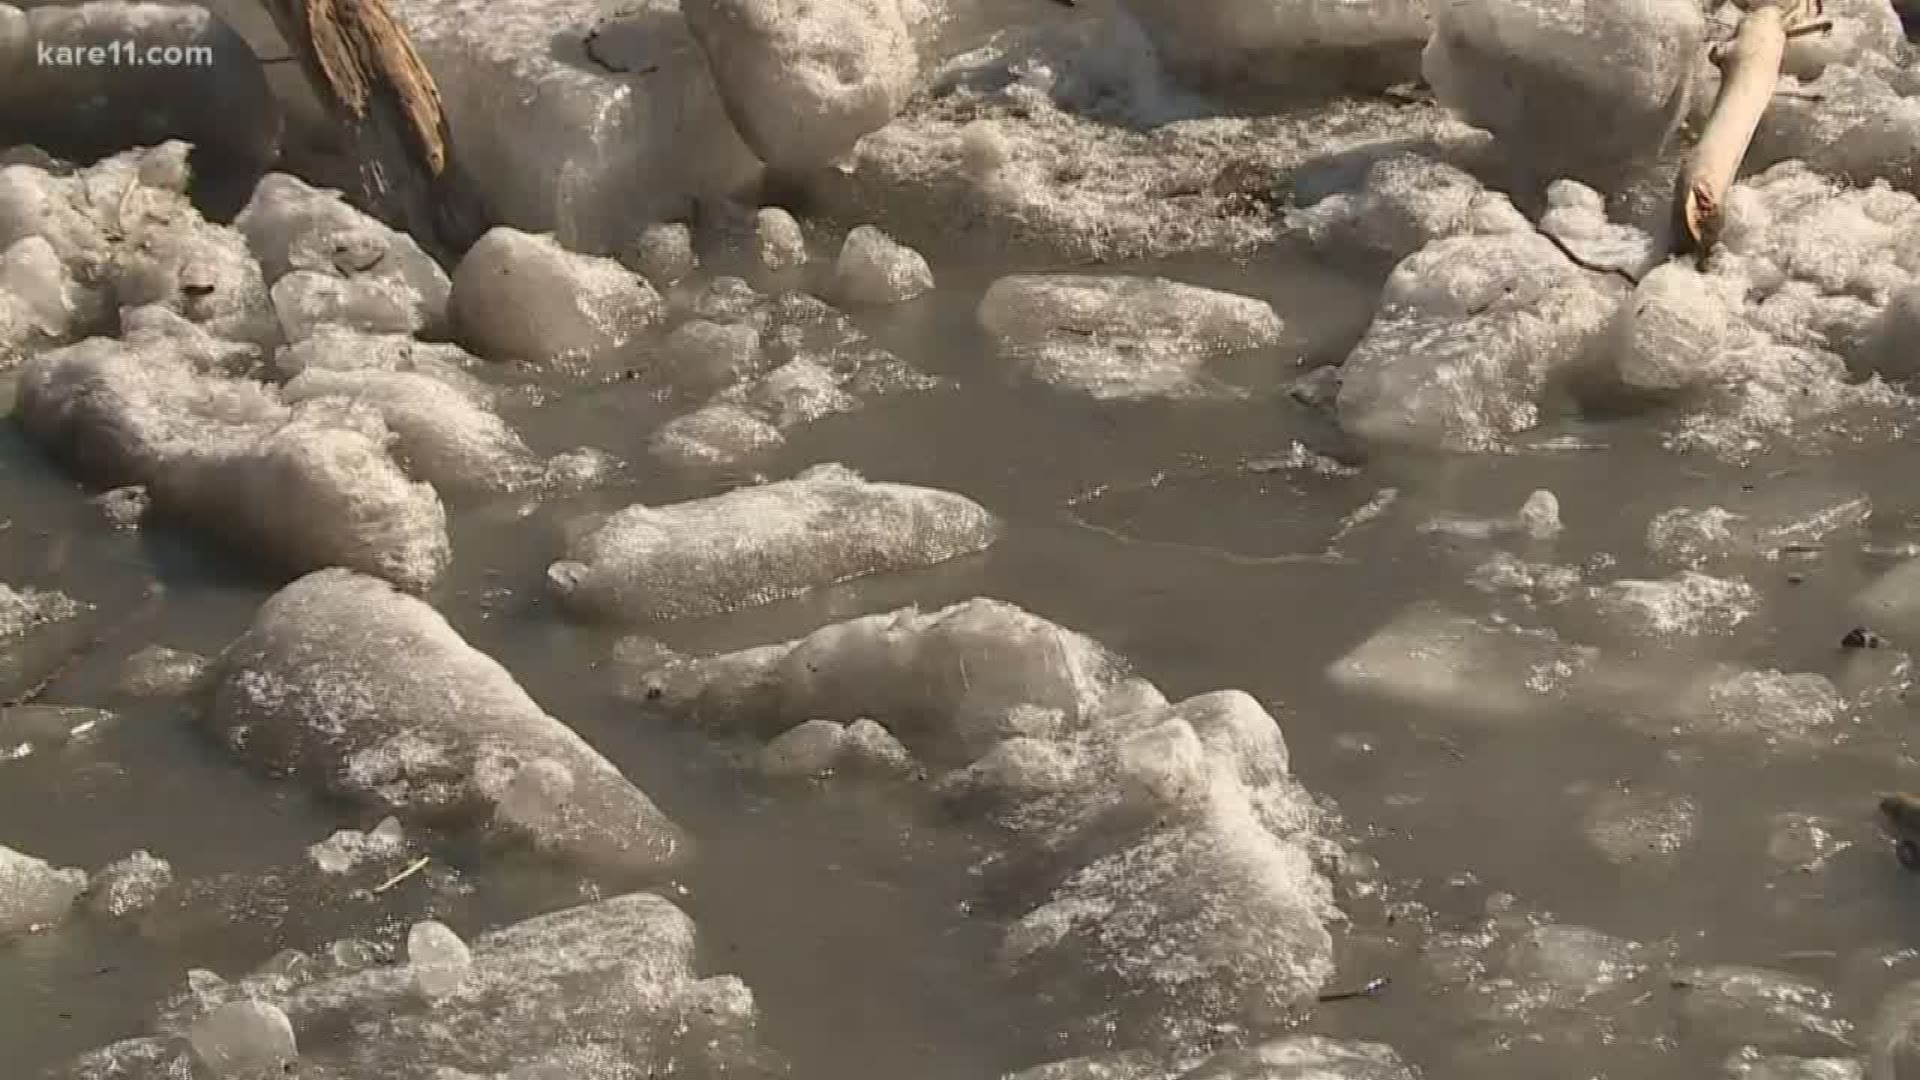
[
  {"x": 368, "y": 76},
  {"x": 1750, "y": 74}
]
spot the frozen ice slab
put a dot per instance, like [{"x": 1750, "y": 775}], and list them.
[
  {"x": 1114, "y": 1065},
  {"x": 875, "y": 270},
  {"x": 219, "y": 101},
  {"x": 1074, "y": 151},
  {"x": 294, "y": 228},
  {"x": 803, "y": 82},
  {"x": 34, "y": 893},
  {"x": 1856, "y": 121},
  {"x": 581, "y": 118},
  {"x": 946, "y": 682},
  {"x": 1238, "y": 46},
  {"x": 1521, "y": 68},
  {"x": 301, "y": 488},
  {"x": 522, "y": 297},
  {"x": 760, "y": 544},
  {"x": 1470, "y": 338},
  {"x": 440, "y": 434},
  {"x": 347, "y": 682},
  {"x": 439, "y": 961},
  {"x": 1114, "y": 336},
  {"x": 1576, "y": 215},
  {"x": 1437, "y": 659}
]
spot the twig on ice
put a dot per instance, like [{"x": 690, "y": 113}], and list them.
[{"x": 1750, "y": 69}]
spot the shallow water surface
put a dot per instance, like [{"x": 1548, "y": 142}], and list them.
[{"x": 1155, "y": 529}]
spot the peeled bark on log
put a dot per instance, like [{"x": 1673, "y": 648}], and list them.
[
  {"x": 367, "y": 74},
  {"x": 1750, "y": 74}
]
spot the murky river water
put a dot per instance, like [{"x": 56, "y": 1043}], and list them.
[{"x": 1139, "y": 525}]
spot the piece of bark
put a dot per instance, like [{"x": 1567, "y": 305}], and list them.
[
  {"x": 367, "y": 74},
  {"x": 1750, "y": 74}
]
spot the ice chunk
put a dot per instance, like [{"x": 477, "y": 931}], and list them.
[
  {"x": 522, "y": 297},
  {"x": 1470, "y": 337},
  {"x": 703, "y": 357},
  {"x": 1407, "y": 202},
  {"x": 437, "y": 958},
  {"x": 300, "y": 488},
  {"x": 811, "y": 749},
  {"x": 347, "y": 681},
  {"x": 1434, "y": 658},
  {"x": 1787, "y": 710},
  {"x": 128, "y": 885},
  {"x": 664, "y": 253},
  {"x": 349, "y": 848},
  {"x": 1637, "y": 826},
  {"x": 333, "y": 348},
  {"x": 22, "y": 610},
  {"x": 1770, "y": 525},
  {"x": 441, "y": 435},
  {"x": 304, "y": 301},
  {"x": 1669, "y": 334},
  {"x": 719, "y": 434},
  {"x": 1194, "y": 925},
  {"x": 1117, "y": 336},
  {"x": 578, "y": 120},
  {"x": 153, "y": 326},
  {"x": 246, "y": 1040},
  {"x": 876, "y": 270},
  {"x": 760, "y": 544},
  {"x": 34, "y": 893},
  {"x": 803, "y": 83},
  {"x": 1520, "y": 68},
  {"x": 779, "y": 242},
  {"x": 946, "y": 682},
  {"x": 1757, "y": 1007},
  {"x": 1750, "y": 1064},
  {"x": 579, "y": 990},
  {"x": 868, "y": 744},
  {"x": 38, "y": 305},
  {"x": 1306, "y": 1057},
  {"x": 1688, "y": 604},
  {"x": 295, "y": 228},
  {"x": 157, "y": 671},
  {"x": 1537, "y": 519}
]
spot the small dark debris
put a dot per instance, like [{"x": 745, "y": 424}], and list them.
[{"x": 1862, "y": 638}]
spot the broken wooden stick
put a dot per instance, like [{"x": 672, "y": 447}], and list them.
[
  {"x": 365, "y": 70},
  {"x": 1750, "y": 74}
]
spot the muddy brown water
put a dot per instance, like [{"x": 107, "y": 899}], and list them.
[{"x": 850, "y": 915}]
